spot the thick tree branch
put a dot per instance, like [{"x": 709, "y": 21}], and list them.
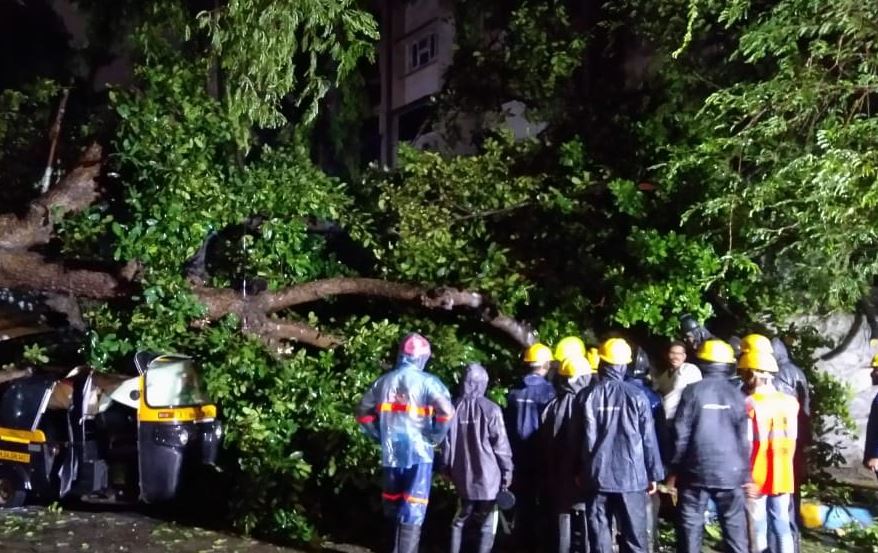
[
  {"x": 76, "y": 191},
  {"x": 220, "y": 302},
  {"x": 274, "y": 332},
  {"x": 31, "y": 271}
]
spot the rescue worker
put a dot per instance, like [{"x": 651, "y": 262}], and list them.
[
  {"x": 560, "y": 456},
  {"x": 477, "y": 457},
  {"x": 524, "y": 405},
  {"x": 772, "y": 426},
  {"x": 671, "y": 382},
  {"x": 751, "y": 342},
  {"x": 593, "y": 357},
  {"x": 638, "y": 374},
  {"x": 711, "y": 453},
  {"x": 693, "y": 334},
  {"x": 408, "y": 412},
  {"x": 870, "y": 452},
  {"x": 620, "y": 460},
  {"x": 791, "y": 380},
  {"x": 571, "y": 346}
]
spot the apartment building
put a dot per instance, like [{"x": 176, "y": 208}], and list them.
[{"x": 416, "y": 49}]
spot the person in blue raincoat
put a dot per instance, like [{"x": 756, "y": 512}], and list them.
[
  {"x": 560, "y": 455},
  {"x": 524, "y": 404},
  {"x": 619, "y": 462},
  {"x": 408, "y": 412},
  {"x": 638, "y": 374}
]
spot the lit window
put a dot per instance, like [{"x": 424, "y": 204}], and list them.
[{"x": 422, "y": 51}]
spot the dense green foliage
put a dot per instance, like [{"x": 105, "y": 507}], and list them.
[{"x": 732, "y": 180}]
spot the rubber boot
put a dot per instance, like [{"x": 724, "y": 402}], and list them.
[
  {"x": 456, "y": 537},
  {"x": 407, "y": 538},
  {"x": 562, "y": 523},
  {"x": 486, "y": 541},
  {"x": 488, "y": 532},
  {"x": 578, "y": 531}
]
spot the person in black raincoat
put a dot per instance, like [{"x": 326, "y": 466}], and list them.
[
  {"x": 693, "y": 334},
  {"x": 638, "y": 374},
  {"x": 563, "y": 495},
  {"x": 524, "y": 404},
  {"x": 477, "y": 457},
  {"x": 712, "y": 452},
  {"x": 620, "y": 459},
  {"x": 791, "y": 380},
  {"x": 870, "y": 451}
]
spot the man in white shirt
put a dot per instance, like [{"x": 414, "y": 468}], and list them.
[{"x": 671, "y": 382}]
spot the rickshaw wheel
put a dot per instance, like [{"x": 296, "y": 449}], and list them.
[{"x": 11, "y": 494}]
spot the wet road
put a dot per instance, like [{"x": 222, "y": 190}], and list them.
[{"x": 35, "y": 529}]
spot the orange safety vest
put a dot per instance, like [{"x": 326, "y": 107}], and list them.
[{"x": 773, "y": 426}]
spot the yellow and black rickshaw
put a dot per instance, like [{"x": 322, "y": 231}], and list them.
[{"x": 88, "y": 434}]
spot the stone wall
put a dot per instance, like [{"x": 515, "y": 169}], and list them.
[{"x": 850, "y": 366}]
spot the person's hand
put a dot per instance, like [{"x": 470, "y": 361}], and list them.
[
  {"x": 653, "y": 487},
  {"x": 671, "y": 481},
  {"x": 751, "y": 490},
  {"x": 872, "y": 464}
]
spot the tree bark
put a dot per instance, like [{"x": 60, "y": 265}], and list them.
[
  {"x": 76, "y": 191},
  {"x": 23, "y": 269}
]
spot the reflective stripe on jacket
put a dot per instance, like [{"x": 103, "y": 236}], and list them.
[
  {"x": 619, "y": 451},
  {"x": 408, "y": 412},
  {"x": 773, "y": 428}
]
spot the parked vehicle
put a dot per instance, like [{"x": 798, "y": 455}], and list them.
[{"x": 87, "y": 434}]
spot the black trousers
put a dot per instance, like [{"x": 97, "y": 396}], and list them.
[
  {"x": 629, "y": 512},
  {"x": 530, "y": 522},
  {"x": 473, "y": 527},
  {"x": 730, "y": 505},
  {"x": 571, "y": 532}
]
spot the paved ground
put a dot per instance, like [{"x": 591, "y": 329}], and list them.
[
  {"x": 35, "y": 529},
  {"x": 38, "y": 530}
]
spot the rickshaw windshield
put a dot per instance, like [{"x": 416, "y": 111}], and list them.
[
  {"x": 23, "y": 403},
  {"x": 174, "y": 384}
]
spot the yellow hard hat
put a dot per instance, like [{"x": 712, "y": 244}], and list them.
[
  {"x": 538, "y": 354},
  {"x": 570, "y": 346},
  {"x": 715, "y": 351},
  {"x": 758, "y": 361},
  {"x": 615, "y": 351},
  {"x": 593, "y": 357},
  {"x": 874, "y": 362},
  {"x": 573, "y": 367},
  {"x": 756, "y": 342}
]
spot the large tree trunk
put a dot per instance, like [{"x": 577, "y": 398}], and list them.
[{"x": 24, "y": 269}]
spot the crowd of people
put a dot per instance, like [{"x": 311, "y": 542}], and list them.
[{"x": 590, "y": 436}]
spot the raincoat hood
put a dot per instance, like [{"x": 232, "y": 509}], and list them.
[
  {"x": 716, "y": 369},
  {"x": 641, "y": 367},
  {"x": 566, "y": 385},
  {"x": 780, "y": 351},
  {"x": 612, "y": 372},
  {"x": 475, "y": 382},
  {"x": 414, "y": 352}
]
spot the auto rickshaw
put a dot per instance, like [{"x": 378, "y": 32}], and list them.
[{"x": 88, "y": 434}]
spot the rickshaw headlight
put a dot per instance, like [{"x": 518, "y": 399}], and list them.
[
  {"x": 183, "y": 436},
  {"x": 173, "y": 437}
]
